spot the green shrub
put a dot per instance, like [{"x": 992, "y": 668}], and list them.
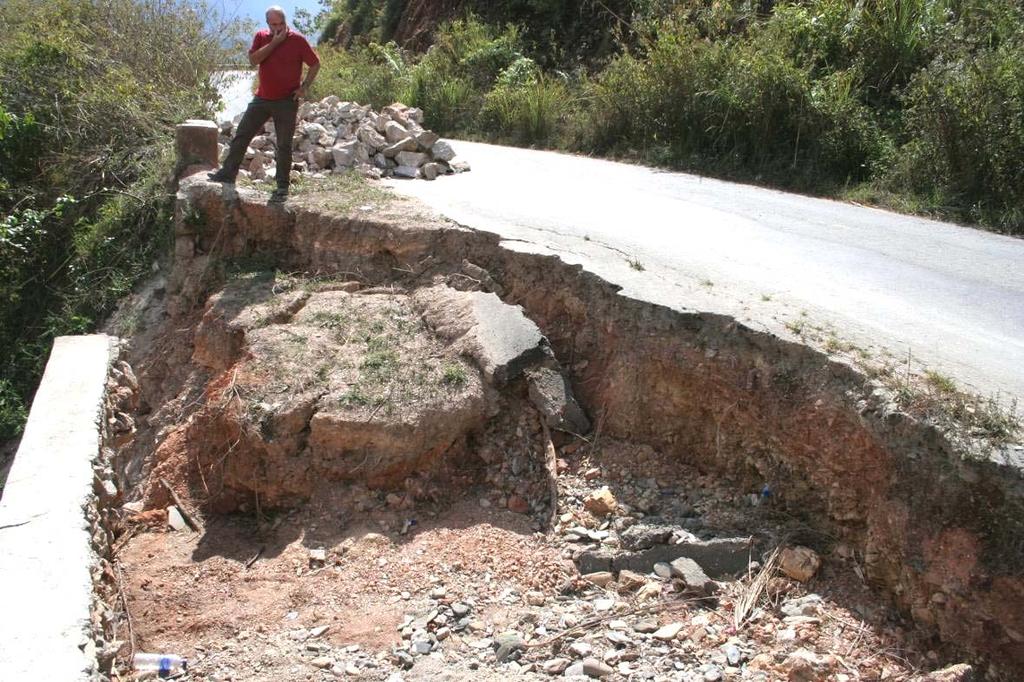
[
  {"x": 372, "y": 74},
  {"x": 89, "y": 95},
  {"x": 528, "y": 113},
  {"x": 12, "y": 410},
  {"x": 451, "y": 80},
  {"x": 892, "y": 39},
  {"x": 965, "y": 123},
  {"x": 740, "y": 106}
]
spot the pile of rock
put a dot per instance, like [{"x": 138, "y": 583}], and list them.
[{"x": 336, "y": 136}]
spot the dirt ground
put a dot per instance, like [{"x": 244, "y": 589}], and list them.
[{"x": 251, "y": 599}]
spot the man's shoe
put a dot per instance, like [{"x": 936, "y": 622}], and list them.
[
  {"x": 279, "y": 195},
  {"x": 220, "y": 176}
]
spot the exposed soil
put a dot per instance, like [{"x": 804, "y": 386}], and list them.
[
  {"x": 194, "y": 594},
  {"x": 352, "y": 462}
]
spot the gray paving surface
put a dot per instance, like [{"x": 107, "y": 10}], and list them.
[{"x": 950, "y": 297}]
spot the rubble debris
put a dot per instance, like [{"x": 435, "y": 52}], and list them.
[
  {"x": 333, "y": 136},
  {"x": 456, "y": 560}
]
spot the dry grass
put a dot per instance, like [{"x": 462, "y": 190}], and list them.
[{"x": 748, "y": 600}]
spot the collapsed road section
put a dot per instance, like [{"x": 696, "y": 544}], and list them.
[{"x": 393, "y": 448}]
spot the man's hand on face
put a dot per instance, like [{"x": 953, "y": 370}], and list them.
[{"x": 279, "y": 36}]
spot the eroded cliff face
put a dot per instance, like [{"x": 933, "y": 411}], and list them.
[
  {"x": 938, "y": 532},
  {"x": 420, "y": 18},
  {"x": 415, "y": 26}
]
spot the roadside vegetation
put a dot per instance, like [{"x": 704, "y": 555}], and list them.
[
  {"x": 89, "y": 95},
  {"x": 913, "y": 104}
]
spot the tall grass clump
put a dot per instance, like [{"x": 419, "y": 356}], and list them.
[
  {"x": 372, "y": 74},
  {"x": 89, "y": 94},
  {"x": 452, "y": 78},
  {"x": 526, "y": 106},
  {"x": 964, "y": 123},
  {"x": 742, "y": 105}
]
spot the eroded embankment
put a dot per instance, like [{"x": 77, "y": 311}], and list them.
[{"x": 939, "y": 532}]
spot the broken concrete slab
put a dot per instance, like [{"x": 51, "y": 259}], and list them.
[
  {"x": 597, "y": 561},
  {"x": 498, "y": 336},
  {"x": 642, "y": 536},
  {"x": 690, "y": 572},
  {"x": 718, "y": 558},
  {"x": 325, "y": 385},
  {"x": 551, "y": 394}
]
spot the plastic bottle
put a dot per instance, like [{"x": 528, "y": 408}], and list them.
[{"x": 163, "y": 666}]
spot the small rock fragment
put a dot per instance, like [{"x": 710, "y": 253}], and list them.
[
  {"x": 804, "y": 665},
  {"x": 518, "y": 505},
  {"x": 954, "y": 673},
  {"x": 631, "y": 581},
  {"x": 600, "y": 578},
  {"x": 442, "y": 151},
  {"x": 808, "y": 605},
  {"x": 175, "y": 520},
  {"x": 595, "y": 668},
  {"x": 668, "y": 632},
  {"x": 649, "y": 592},
  {"x": 317, "y": 557},
  {"x": 600, "y": 502},
  {"x": 556, "y": 666},
  {"x": 799, "y": 563},
  {"x": 581, "y": 649},
  {"x": 646, "y": 626},
  {"x": 507, "y": 643}
]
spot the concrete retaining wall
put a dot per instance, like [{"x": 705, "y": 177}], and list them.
[{"x": 46, "y": 554}]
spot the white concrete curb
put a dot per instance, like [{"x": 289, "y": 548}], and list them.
[{"x": 45, "y": 539}]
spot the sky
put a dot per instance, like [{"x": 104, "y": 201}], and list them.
[{"x": 254, "y": 10}]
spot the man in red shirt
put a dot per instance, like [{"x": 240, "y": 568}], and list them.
[{"x": 280, "y": 53}]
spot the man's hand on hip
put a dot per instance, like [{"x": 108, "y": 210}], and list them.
[{"x": 300, "y": 94}]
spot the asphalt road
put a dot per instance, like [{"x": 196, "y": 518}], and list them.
[{"x": 947, "y": 297}]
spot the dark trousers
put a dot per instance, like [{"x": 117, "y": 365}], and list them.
[{"x": 284, "y": 112}]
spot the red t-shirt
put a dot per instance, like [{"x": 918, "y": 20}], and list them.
[{"x": 281, "y": 72}]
